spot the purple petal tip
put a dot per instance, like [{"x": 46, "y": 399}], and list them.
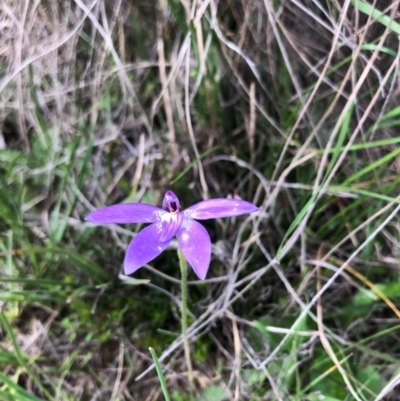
[
  {"x": 125, "y": 213},
  {"x": 219, "y": 208}
]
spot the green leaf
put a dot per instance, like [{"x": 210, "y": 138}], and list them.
[
  {"x": 325, "y": 380},
  {"x": 252, "y": 377},
  {"x": 213, "y": 393},
  {"x": 134, "y": 281},
  {"x": 368, "y": 296},
  {"x": 371, "y": 379}
]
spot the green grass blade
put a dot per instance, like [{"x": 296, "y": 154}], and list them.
[
  {"x": 364, "y": 192},
  {"x": 336, "y": 153},
  {"x": 344, "y": 130},
  {"x": 377, "y": 15},
  {"x": 392, "y": 113},
  {"x": 296, "y": 222},
  {"x": 386, "y": 159},
  {"x": 367, "y": 145},
  {"x": 202, "y": 156},
  {"x": 16, "y": 393},
  {"x": 87, "y": 266},
  {"x": 160, "y": 375},
  {"x": 7, "y": 327}
]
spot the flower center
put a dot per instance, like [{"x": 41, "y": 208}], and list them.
[
  {"x": 171, "y": 203},
  {"x": 173, "y": 208}
]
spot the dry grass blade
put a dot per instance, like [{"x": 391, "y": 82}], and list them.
[{"x": 324, "y": 340}]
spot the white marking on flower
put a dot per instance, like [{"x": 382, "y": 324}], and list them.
[
  {"x": 170, "y": 217},
  {"x": 160, "y": 214},
  {"x": 167, "y": 217},
  {"x": 188, "y": 213}
]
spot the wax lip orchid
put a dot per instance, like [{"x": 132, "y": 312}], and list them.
[{"x": 194, "y": 241}]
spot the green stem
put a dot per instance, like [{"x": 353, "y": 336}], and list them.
[{"x": 183, "y": 265}]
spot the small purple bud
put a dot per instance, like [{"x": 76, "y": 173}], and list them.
[{"x": 171, "y": 203}]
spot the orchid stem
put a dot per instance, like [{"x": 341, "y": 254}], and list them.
[{"x": 183, "y": 265}]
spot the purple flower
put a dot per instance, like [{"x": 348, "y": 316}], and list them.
[{"x": 167, "y": 222}]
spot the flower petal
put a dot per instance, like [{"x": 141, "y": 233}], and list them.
[
  {"x": 218, "y": 208},
  {"x": 126, "y": 213},
  {"x": 144, "y": 248},
  {"x": 195, "y": 245},
  {"x": 171, "y": 223}
]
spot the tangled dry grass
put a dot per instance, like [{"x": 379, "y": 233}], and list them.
[{"x": 292, "y": 105}]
